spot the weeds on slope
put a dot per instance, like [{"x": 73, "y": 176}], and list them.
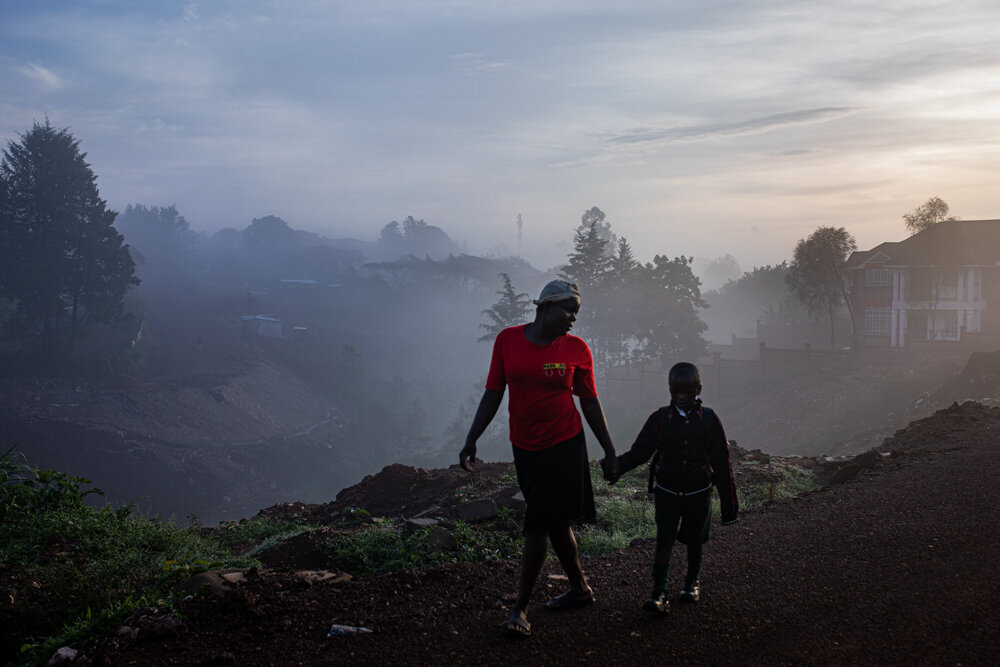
[
  {"x": 387, "y": 546},
  {"x": 625, "y": 513},
  {"x": 70, "y": 571}
]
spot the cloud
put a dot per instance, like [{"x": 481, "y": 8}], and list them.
[
  {"x": 46, "y": 77},
  {"x": 190, "y": 14},
  {"x": 749, "y": 126},
  {"x": 793, "y": 152},
  {"x": 634, "y": 147},
  {"x": 476, "y": 64},
  {"x": 456, "y": 111}
]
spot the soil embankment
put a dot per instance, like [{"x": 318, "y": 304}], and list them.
[{"x": 218, "y": 445}]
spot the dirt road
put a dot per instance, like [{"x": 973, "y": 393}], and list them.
[{"x": 898, "y": 566}]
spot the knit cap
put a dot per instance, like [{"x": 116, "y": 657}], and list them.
[{"x": 558, "y": 290}]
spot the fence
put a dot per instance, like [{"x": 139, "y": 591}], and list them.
[
  {"x": 727, "y": 371},
  {"x": 733, "y": 370}
]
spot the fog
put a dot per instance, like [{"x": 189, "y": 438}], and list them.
[
  {"x": 320, "y": 200},
  {"x": 266, "y": 364}
]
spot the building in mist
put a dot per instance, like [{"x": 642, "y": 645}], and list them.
[
  {"x": 269, "y": 326},
  {"x": 939, "y": 285}
]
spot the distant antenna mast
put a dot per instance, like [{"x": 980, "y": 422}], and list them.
[{"x": 520, "y": 224}]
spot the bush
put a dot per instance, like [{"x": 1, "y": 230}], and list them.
[
  {"x": 381, "y": 547},
  {"x": 73, "y": 571},
  {"x": 255, "y": 535}
]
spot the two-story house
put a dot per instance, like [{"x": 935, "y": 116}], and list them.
[{"x": 940, "y": 284}]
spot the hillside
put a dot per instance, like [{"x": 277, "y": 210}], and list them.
[
  {"x": 251, "y": 429},
  {"x": 884, "y": 568},
  {"x": 217, "y": 444},
  {"x": 847, "y": 405}
]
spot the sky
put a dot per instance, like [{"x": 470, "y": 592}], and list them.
[{"x": 700, "y": 128}]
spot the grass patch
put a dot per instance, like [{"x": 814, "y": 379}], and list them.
[
  {"x": 251, "y": 536},
  {"x": 384, "y": 546},
  {"x": 624, "y": 513},
  {"x": 793, "y": 481},
  {"x": 73, "y": 572}
]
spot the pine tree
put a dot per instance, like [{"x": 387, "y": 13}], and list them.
[
  {"x": 590, "y": 261},
  {"x": 510, "y": 310},
  {"x": 62, "y": 263}
]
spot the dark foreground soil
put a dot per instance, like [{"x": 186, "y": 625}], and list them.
[{"x": 897, "y": 566}]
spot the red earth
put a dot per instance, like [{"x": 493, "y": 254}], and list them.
[{"x": 896, "y": 565}]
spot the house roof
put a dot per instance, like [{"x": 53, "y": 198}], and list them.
[{"x": 956, "y": 243}]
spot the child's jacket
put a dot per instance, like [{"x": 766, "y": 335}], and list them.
[{"x": 687, "y": 454}]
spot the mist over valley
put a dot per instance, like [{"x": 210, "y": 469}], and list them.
[{"x": 269, "y": 365}]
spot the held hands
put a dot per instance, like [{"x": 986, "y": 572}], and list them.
[{"x": 609, "y": 466}]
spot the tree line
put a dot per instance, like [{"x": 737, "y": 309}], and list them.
[
  {"x": 633, "y": 312},
  {"x": 64, "y": 263}
]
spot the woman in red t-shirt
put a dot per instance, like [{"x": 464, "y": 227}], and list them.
[{"x": 544, "y": 367}]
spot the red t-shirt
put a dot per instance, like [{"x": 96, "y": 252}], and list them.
[{"x": 542, "y": 381}]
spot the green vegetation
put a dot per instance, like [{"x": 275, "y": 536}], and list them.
[
  {"x": 794, "y": 481},
  {"x": 251, "y": 536},
  {"x": 74, "y": 571},
  {"x": 384, "y": 546},
  {"x": 624, "y": 513}
]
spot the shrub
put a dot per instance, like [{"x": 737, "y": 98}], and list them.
[
  {"x": 73, "y": 571},
  {"x": 381, "y": 547}
]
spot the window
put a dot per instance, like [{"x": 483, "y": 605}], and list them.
[
  {"x": 951, "y": 325},
  {"x": 877, "y": 321},
  {"x": 877, "y": 277}
]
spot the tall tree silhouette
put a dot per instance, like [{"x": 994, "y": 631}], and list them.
[
  {"x": 62, "y": 263},
  {"x": 510, "y": 310},
  {"x": 818, "y": 273},
  {"x": 928, "y": 214}
]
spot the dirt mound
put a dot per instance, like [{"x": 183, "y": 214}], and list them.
[
  {"x": 408, "y": 491},
  {"x": 945, "y": 428},
  {"x": 399, "y": 490}
]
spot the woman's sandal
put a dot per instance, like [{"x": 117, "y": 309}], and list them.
[
  {"x": 517, "y": 626},
  {"x": 570, "y": 600}
]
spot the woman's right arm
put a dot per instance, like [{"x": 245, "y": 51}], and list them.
[{"x": 488, "y": 406}]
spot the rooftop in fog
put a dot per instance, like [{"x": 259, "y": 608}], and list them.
[{"x": 955, "y": 243}]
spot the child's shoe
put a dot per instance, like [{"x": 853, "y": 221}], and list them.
[
  {"x": 657, "y": 603},
  {"x": 691, "y": 591}
]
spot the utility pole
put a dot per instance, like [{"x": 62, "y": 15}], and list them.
[{"x": 520, "y": 224}]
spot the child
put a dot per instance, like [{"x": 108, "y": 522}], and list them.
[{"x": 688, "y": 454}]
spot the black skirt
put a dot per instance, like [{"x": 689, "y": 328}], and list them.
[{"x": 556, "y": 485}]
